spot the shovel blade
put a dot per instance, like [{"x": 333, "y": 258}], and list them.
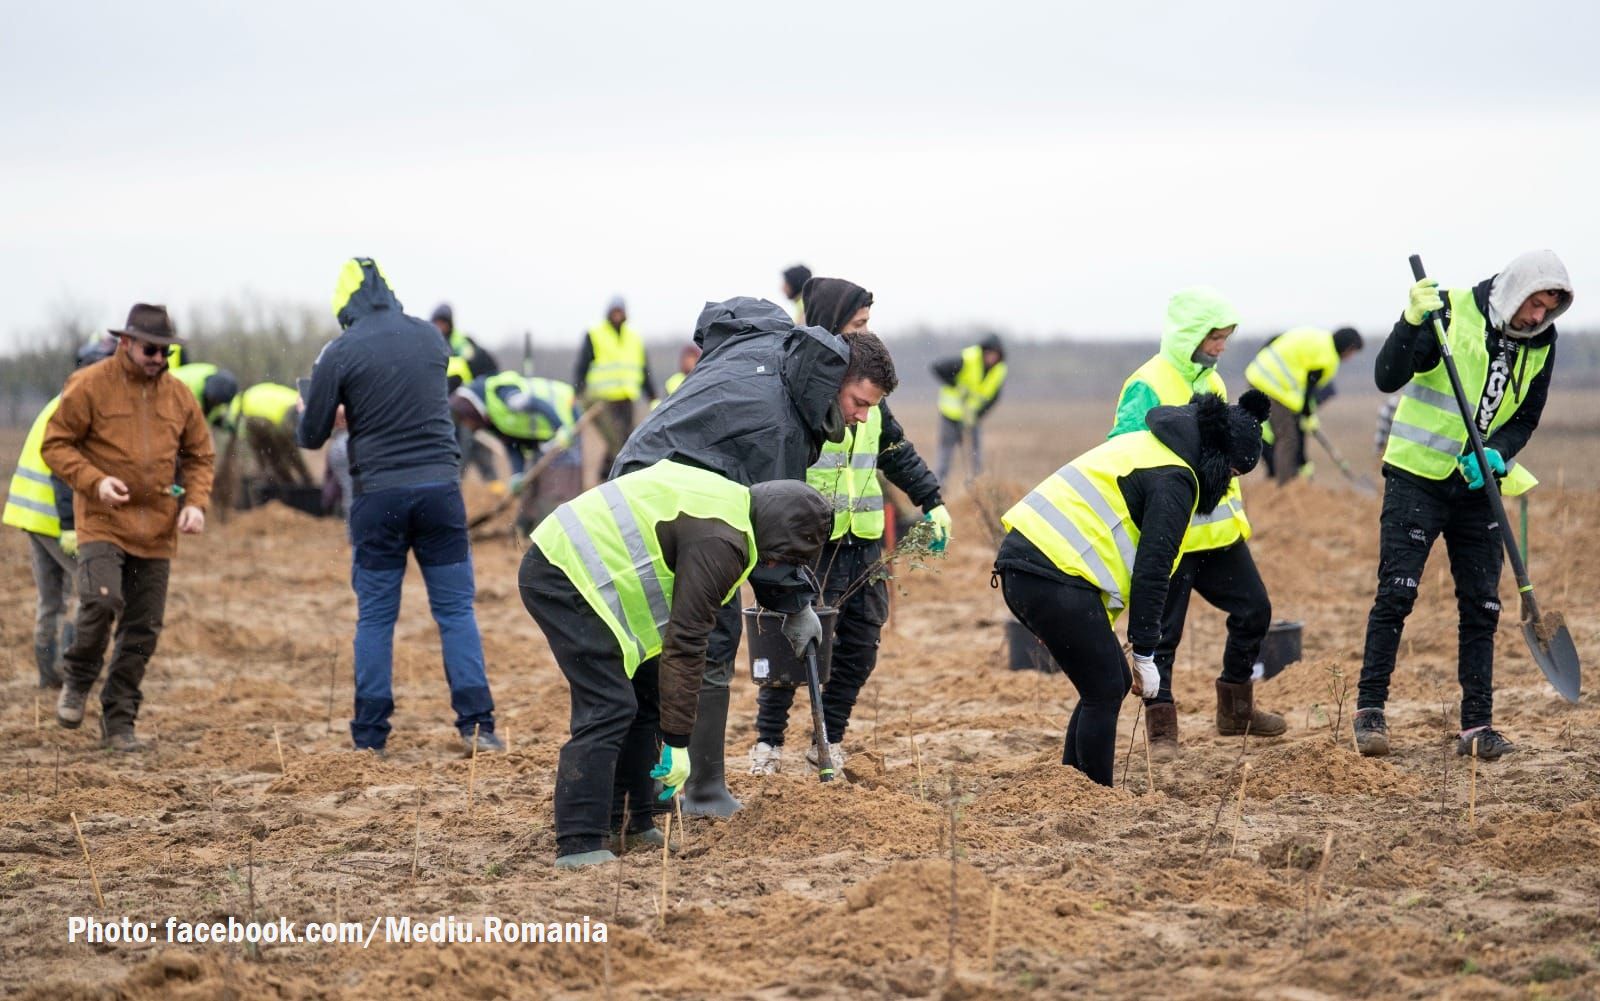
[{"x": 1557, "y": 657}]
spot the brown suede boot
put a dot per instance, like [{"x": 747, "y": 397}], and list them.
[
  {"x": 1236, "y": 707},
  {"x": 1162, "y": 721}
]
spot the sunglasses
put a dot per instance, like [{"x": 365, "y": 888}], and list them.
[{"x": 153, "y": 350}]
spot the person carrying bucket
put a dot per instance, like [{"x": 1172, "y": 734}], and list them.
[
  {"x": 1503, "y": 339},
  {"x": 626, "y": 581},
  {"x": 1104, "y": 533},
  {"x": 1216, "y": 560}
]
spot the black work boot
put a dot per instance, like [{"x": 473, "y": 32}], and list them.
[
  {"x": 1236, "y": 709},
  {"x": 1161, "y": 720},
  {"x": 706, "y": 793},
  {"x": 44, "y": 655},
  {"x": 1372, "y": 733},
  {"x": 1490, "y": 744}
]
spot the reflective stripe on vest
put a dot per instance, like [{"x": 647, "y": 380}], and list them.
[
  {"x": 617, "y": 372},
  {"x": 847, "y": 475},
  {"x": 973, "y": 388},
  {"x": 1226, "y": 523},
  {"x": 31, "y": 502},
  {"x": 1428, "y": 434},
  {"x": 606, "y": 542},
  {"x": 1282, "y": 369},
  {"x": 1080, "y": 520}
]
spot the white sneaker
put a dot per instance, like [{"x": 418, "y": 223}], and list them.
[
  {"x": 765, "y": 758},
  {"x": 835, "y": 754}
]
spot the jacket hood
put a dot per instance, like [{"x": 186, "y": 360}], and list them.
[
  {"x": 362, "y": 289},
  {"x": 1205, "y": 432},
  {"x": 791, "y": 521},
  {"x": 1192, "y": 313},
  {"x": 831, "y": 302},
  {"x": 1535, "y": 271}
]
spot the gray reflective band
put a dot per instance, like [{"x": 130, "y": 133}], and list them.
[
  {"x": 596, "y": 568},
  {"x": 864, "y": 460},
  {"x": 861, "y": 505},
  {"x": 1432, "y": 397},
  {"x": 643, "y": 564},
  {"x": 1102, "y": 510},
  {"x": 1222, "y": 512},
  {"x": 1287, "y": 377},
  {"x": 32, "y": 505},
  {"x": 830, "y": 461},
  {"x": 1040, "y": 504},
  {"x": 34, "y": 475},
  {"x": 1427, "y": 439}
]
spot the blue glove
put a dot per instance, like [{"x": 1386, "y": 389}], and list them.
[
  {"x": 1472, "y": 474},
  {"x": 672, "y": 770}
]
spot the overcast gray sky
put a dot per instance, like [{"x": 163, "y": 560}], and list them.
[{"x": 1044, "y": 167}]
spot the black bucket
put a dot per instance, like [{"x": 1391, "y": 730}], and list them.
[
  {"x": 1026, "y": 652},
  {"x": 772, "y": 660},
  {"x": 307, "y": 499},
  {"x": 1281, "y": 647}
]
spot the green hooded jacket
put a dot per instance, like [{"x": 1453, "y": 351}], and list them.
[{"x": 1192, "y": 313}]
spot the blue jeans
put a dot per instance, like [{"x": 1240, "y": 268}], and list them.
[{"x": 429, "y": 520}]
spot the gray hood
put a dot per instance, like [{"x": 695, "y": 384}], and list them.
[{"x": 1535, "y": 271}]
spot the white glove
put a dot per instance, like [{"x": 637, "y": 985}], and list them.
[{"x": 1146, "y": 679}]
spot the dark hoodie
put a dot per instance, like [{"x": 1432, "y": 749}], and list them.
[
  {"x": 388, "y": 371},
  {"x": 791, "y": 522},
  {"x": 763, "y": 399},
  {"x": 1159, "y": 500},
  {"x": 831, "y": 302}
]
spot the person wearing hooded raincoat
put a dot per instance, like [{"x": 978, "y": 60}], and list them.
[
  {"x": 387, "y": 371},
  {"x": 1502, "y": 337},
  {"x": 1216, "y": 560}
]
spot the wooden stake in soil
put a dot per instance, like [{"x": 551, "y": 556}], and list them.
[
  {"x": 677, "y": 804},
  {"x": 666, "y": 842},
  {"x": 1127, "y": 762},
  {"x": 93, "y": 879},
  {"x": 1472, "y": 794},
  {"x": 416, "y": 842},
  {"x": 916, "y": 753},
  {"x": 994, "y": 914},
  {"x": 1244, "y": 777},
  {"x": 283, "y": 769},
  {"x": 1149, "y": 769},
  {"x": 472, "y": 770}
]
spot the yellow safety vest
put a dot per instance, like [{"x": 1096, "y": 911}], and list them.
[
  {"x": 519, "y": 424},
  {"x": 1283, "y": 368},
  {"x": 267, "y": 401},
  {"x": 1227, "y": 523},
  {"x": 617, "y": 372},
  {"x": 1080, "y": 520},
  {"x": 605, "y": 541},
  {"x": 847, "y": 475},
  {"x": 1428, "y": 434},
  {"x": 31, "y": 504},
  {"x": 973, "y": 388},
  {"x": 674, "y": 381},
  {"x": 458, "y": 369}
]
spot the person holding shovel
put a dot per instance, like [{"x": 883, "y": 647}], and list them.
[
  {"x": 1104, "y": 533},
  {"x": 626, "y": 582},
  {"x": 1216, "y": 560},
  {"x": 847, "y": 474},
  {"x": 1296, "y": 369},
  {"x": 1502, "y": 336}
]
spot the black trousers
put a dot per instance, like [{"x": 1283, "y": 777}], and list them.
[
  {"x": 614, "y": 718},
  {"x": 855, "y": 642},
  {"x": 1414, "y": 515},
  {"x": 1227, "y": 578},
  {"x": 128, "y": 592},
  {"x": 1071, "y": 622}
]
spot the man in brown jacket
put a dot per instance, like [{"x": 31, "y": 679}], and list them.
[{"x": 124, "y": 425}]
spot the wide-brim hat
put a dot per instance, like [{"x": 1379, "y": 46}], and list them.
[{"x": 150, "y": 323}]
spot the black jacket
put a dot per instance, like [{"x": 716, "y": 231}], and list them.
[
  {"x": 388, "y": 370},
  {"x": 1409, "y": 350},
  {"x": 1160, "y": 501}
]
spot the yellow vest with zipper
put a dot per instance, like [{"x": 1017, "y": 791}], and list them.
[
  {"x": 974, "y": 388},
  {"x": 617, "y": 371},
  {"x": 1227, "y": 523},
  {"x": 847, "y": 475},
  {"x": 1283, "y": 368},
  {"x": 605, "y": 541},
  {"x": 1080, "y": 520},
  {"x": 31, "y": 504}
]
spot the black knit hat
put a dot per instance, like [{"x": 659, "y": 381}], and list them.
[{"x": 1244, "y": 430}]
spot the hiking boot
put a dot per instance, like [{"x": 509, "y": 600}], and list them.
[
  {"x": 582, "y": 860},
  {"x": 836, "y": 756},
  {"x": 765, "y": 758},
  {"x": 1372, "y": 733},
  {"x": 69, "y": 706},
  {"x": 1490, "y": 744},
  {"x": 124, "y": 742},
  {"x": 1161, "y": 720},
  {"x": 1236, "y": 710},
  {"x": 486, "y": 741}
]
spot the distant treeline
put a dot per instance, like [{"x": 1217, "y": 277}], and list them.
[{"x": 260, "y": 341}]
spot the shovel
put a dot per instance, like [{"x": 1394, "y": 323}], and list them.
[
  {"x": 819, "y": 726},
  {"x": 1363, "y": 483},
  {"x": 1546, "y": 633}
]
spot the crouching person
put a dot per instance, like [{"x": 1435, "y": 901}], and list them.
[{"x": 625, "y": 581}]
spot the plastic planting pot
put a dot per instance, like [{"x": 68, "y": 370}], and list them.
[
  {"x": 1281, "y": 647},
  {"x": 772, "y": 660},
  {"x": 1026, "y": 652}
]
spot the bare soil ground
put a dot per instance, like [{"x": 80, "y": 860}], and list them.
[{"x": 1163, "y": 889}]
